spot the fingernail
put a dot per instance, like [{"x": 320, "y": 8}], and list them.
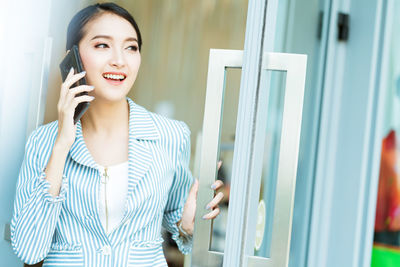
[
  {"x": 204, "y": 217},
  {"x": 83, "y": 72},
  {"x": 208, "y": 207},
  {"x": 213, "y": 186},
  {"x": 72, "y": 68},
  {"x": 91, "y": 87}
]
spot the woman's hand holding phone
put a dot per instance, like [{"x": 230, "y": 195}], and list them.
[
  {"x": 66, "y": 107},
  {"x": 66, "y": 128}
]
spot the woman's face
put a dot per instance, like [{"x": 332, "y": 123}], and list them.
[{"x": 110, "y": 56}]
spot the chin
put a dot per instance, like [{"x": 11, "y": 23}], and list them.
[{"x": 111, "y": 97}]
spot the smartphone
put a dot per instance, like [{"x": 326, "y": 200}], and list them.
[{"x": 73, "y": 59}]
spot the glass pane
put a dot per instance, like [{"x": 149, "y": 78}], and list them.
[
  {"x": 301, "y": 27},
  {"x": 386, "y": 247},
  {"x": 226, "y": 147},
  {"x": 270, "y": 159}
]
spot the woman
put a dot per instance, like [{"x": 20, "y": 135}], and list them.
[{"x": 96, "y": 193}]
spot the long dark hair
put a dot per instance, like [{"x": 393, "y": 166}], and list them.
[{"x": 75, "y": 28}]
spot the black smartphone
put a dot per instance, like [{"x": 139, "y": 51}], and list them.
[{"x": 73, "y": 59}]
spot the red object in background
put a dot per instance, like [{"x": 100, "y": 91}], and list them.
[{"x": 388, "y": 203}]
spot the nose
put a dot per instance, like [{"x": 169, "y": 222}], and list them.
[{"x": 117, "y": 59}]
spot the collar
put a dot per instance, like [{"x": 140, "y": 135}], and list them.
[
  {"x": 141, "y": 124},
  {"x": 141, "y": 127}
]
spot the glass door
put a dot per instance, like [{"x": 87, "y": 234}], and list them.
[
  {"x": 272, "y": 132},
  {"x": 271, "y": 96}
]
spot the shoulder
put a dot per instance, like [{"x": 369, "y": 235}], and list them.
[
  {"x": 166, "y": 128},
  {"x": 170, "y": 128},
  {"x": 173, "y": 134}
]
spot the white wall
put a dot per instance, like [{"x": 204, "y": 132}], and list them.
[{"x": 24, "y": 27}]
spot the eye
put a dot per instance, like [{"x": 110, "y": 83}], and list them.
[
  {"x": 101, "y": 46},
  {"x": 133, "y": 48}
]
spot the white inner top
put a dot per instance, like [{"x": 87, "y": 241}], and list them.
[{"x": 117, "y": 189}]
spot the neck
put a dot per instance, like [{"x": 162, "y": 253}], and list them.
[{"x": 106, "y": 118}]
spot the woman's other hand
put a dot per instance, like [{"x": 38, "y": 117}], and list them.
[
  {"x": 189, "y": 211},
  {"x": 66, "y": 107}
]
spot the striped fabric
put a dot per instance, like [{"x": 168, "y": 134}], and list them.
[{"x": 66, "y": 230}]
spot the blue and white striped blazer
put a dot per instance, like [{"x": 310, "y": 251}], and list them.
[{"x": 66, "y": 230}]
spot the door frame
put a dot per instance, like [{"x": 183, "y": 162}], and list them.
[{"x": 347, "y": 169}]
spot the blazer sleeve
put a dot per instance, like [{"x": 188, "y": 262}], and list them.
[
  {"x": 181, "y": 184},
  {"x": 36, "y": 211}
]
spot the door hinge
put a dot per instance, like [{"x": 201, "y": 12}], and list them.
[
  {"x": 320, "y": 25},
  {"x": 343, "y": 24}
]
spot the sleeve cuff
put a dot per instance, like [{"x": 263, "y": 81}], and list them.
[
  {"x": 184, "y": 243},
  {"x": 44, "y": 185}
]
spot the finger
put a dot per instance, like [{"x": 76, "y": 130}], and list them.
[
  {"x": 217, "y": 184},
  {"x": 81, "y": 88},
  {"x": 73, "y": 79},
  {"x": 80, "y": 99},
  {"x": 70, "y": 73},
  {"x": 64, "y": 88},
  {"x": 219, "y": 164},
  {"x": 212, "y": 214},
  {"x": 73, "y": 92},
  {"x": 215, "y": 201}
]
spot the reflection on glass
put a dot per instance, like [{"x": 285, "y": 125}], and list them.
[
  {"x": 226, "y": 146},
  {"x": 386, "y": 247},
  {"x": 263, "y": 231}
]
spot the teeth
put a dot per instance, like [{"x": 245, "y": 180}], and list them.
[{"x": 114, "y": 76}]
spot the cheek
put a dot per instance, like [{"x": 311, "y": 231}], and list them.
[
  {"x": 135, "y": 65},
  {"x": 89, "y": 61}
]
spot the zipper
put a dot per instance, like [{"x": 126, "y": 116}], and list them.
[{"x": 105, "y": 181}]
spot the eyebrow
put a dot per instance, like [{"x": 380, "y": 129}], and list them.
[{"x": 110, "y": 38}]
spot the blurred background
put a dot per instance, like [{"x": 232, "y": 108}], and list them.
[{"x": 347, "y": 197}]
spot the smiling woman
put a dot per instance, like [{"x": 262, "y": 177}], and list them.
[
  {"x": 97, "y": 192},
  {"x": 110, "y": 57}
]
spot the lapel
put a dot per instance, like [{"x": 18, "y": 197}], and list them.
[
  {"x": 79, "y": 151},
  {"x": 142, "y": 130}
]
